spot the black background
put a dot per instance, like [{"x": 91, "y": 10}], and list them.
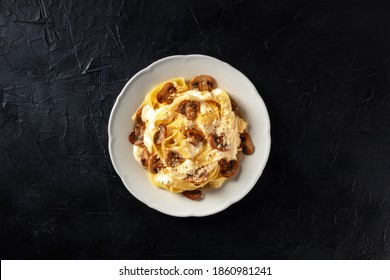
[{"x": 322, "y": 69}]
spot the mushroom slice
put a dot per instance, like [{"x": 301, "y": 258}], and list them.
[
  {"x": 139, "y": 130},
  {"x": 195, "y": 136},
  {"x": 194, "y": 195},
  {"x": 198, "y": 177},
  {"x": 137, "y": 136},
  {"x": 136, "y": 139},
  {"x": 217, "y": 142},
  {"x": 154, "y": 164},
  {"x": 167, "y": 93},
  {"x": 145, "y": 157},
  {"x": 160, "y": 135},
  {"x": 189, "y": 108},
  {"x": 234, "y": 105},
  {"x": 228, "y": 168},
  {"x": 138, "y": 115},
  {"x": 203, "y": 82},
  {"x": 173, "y": 159},
  {"x": 246, "y": 144}
]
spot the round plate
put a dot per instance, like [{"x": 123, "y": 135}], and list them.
[{"x": 135, "y": 177}]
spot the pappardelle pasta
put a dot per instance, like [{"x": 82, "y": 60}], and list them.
[{"x": 188, "y": 135}]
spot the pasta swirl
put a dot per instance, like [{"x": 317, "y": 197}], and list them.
[{"x": 188, "y": 135}]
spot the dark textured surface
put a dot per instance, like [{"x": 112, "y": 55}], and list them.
[{"x": 322, "y": 68}]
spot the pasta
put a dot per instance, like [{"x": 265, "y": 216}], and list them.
[{"x": 188, "y": 135}]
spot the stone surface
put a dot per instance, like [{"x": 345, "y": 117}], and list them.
[{"x": 321, "y": 67}]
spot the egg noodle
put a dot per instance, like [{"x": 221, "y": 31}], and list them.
[{"x": 188, "y": 135}]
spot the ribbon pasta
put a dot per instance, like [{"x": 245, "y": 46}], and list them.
[{"x": 188, "y": 134}]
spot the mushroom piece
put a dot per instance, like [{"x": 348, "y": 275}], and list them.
[
  {"x": 246, "y": 144},
  {"x": 195, "y": 136},
  {"x": 228, "y": 168},
  {"x": 138, "y": 115},
  {"x": 189, "y": 108},
  {"x": 136, "y": 139},
  {"x": 194, "y": 195},
  {"x": 234, "y": 105},
  {"x": 217, "y": 142},
  {"x": 139, "y": 129},
  {"x": 137, "y": 136},
  {"x": 203, "y": 82},
  {"x": 154, "y": 164},
  {"x": 166, "y": 94},
  {"x": 173, "y": 159},
  {"x": 160, "y": 135},
  {"x": 145, "y": 157},
  {"x": 197, "y": 178}
]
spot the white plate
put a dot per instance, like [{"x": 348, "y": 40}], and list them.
[{"x": 135, "y": 177}]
